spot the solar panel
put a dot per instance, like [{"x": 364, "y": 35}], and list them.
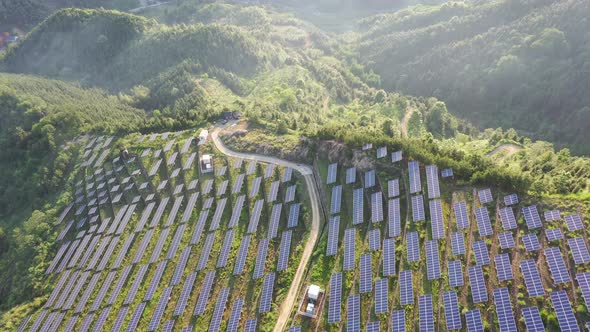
[
  {"x": 473, "y": 320},
  {"x": 370, "y": 179},
  {"x": 394, "y": 217},
  {"x": 532, "y": 278},
  {"x": 104, "y": 314},
  {"x": 274, "y": 190},
  {"x": 269, "y": 171},
  {"x": 223, "y": 188},
  {"x": 206, "y": 252},
  {"x": 507, "y": 218},
  {"x": 186, "y": 145},
  {"x": 406, "y": 287},
  {"x": 381, "y": 296},
  {"x": 485, "y": 196},
  {"x": 221, "y": 171},
  {"x": 531, "y": 216},
  {"x": 353, "y": 317},
  {"x": 159, "y": 245},
  {"x": 531, "y": 242},
  {"x": 189, "y": 161},
  {"x": 260, "y": 259},
  {"x": 266, "y": 296},
  {"x": 106, "y": 284},
  {"x": 159, "y": 212},
  {"x": 372, "y": 326},
  {"x": 275, "y": 217},
  {"x": 180, "y": 266},
  {"x": 418, "y": 208},
  {"x": 552, "y": 215},
  {"x": 185, "y": 294},
  {"x": 457, "y": 243},
  {"x": 366, "y": 274},
  {"x": 367, "y": 146},
  {"x": 137, "y": 281},
  {"x": 412, "y": 246},
  {"x": 60, "y": 252},
  {"x": 398, "y": 321},
  {"x": 336, "y": 199},
  {"x": 215, "y": 323},
  {"x": 293, "y": 215},
  {"x": 238, "y": 163},
  {"x": 532, "y": 319},
  {"x": 137, "y": 313},
  {"x": 455, "y": 270},
  {"x": 168, "y": 326},
  {"x": 432, "y": 181},
  {"x": 285, "y": 249},
  {"x": 381, "y": 152},
  {"x": 446, "y": 173},
  {"x": 478, "y": 284},
  {"x": 255, "y": 216},
  {"x": 504, "y": 310},
  {"x": 554, "y": 234},
  {"x": 225, "y": 248},
  {"x": 432, "y": 260},
  {"x": 251, "y": 168},
  {"x": 255, "y": 187},
  {"x": 376, "y": 207},
  {"x": 349, "y": 249},
  {"x": 290, "y": 194},
  {"x": 452, "y": 315},
  {"x": 142, "y": 246},
  {"x": 579, "y": 250},
  {"x": 511, "y": 199},
  {"x": 414, "y": 172},
  {"x": 242, "y": 254},
  {"x": 144, "y": 217},
  {"x": 120, "y": 283},
  {"x": 357, "y": 206},
  {"x": 250, "y": 325},
  {"x": 335, "y": 299},
  {"x": 207, "y": 186},
  {"x": 482, "y": 256},
  {"x": 333, "y": 234},
  {"x": 204, "y": 294},
  {"x": 425, "y": 313},
  {"x": 436, "y": 216},
  {"x": 236, "y": 314},
  {"x": 332, "y": 170},
  {"x": 238, "y": 184},
  {"x": 557, "y": 265},
  {"x": 81, "y": 281},
  {"x": 506, "y": 240},
  {"x": 160, "y": 307},
  {"x": 484, "y": 224},
  {"x": 574, "y": 222},
  {"x": 503, "y": 267},
  {"x": 375, "y": 239},
  {"x": 236, "y": 211},
  {"x": 350, "y": 175},
  {"x": 39, "y": 320},
  {"x": 584, "y": 285},
  {"x": 563, "y": 310},
  {"x": 172, "y": 159},
  {"x": 88, "y": 319},
  {"x": 24, "y": 323},
  {"x": 218, "y": 214},
  {"x": 287, "y": 174},
  {"x": 175, "y": 241},
  {"x": 149, "y": 294},
  {"x": 118, "y": 324}
]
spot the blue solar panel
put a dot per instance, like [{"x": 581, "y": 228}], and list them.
[
  {"x": 531, "y": 242},
  {"x": 371, "y": 326},
  {"x": 225, "y": 248},
  {"x": 104, "y": 314},
  {"x": 255, "y": 189},
  {"x": 531, "y": 216},
  {"x": 381, "y": 152},
  {"x": 180, "y": 266},
  {"x": 175, "y": 241},
  {"x": 120, "y": 283},
  {"x": 532, "y": 278},
  {"x": 260, "y": 259},
  {"x": 552, "y": 215},
  {"x": 506, "y": 240},
  {"x": 563, "y": 310},
  {"x": 269, "y": 171},
  {"x": 396, "y": 156},
  {"x": 124, "y": 251},
  {"x": 394, "y": 217},
  {"x": 485, "y": 196},
  {"x": 204, "y": 294},
  {"x": 290, "y": 194},
  {"x": 236, "y": 314},
  {"x": 155, "y": 281},
  {"x": 406, "y": 287},
  {"x": 414, "y": 172},
  {"x": 366, "y": 274},
  {"x": 159, "y": 245},
  {"x": 458, "y": 243},
  {"x": 381, "y": 296},
  {"x": 436, "y": 217},
  {"x": 335, "y": 299},
  {"x": 267, "y": 290},
  {"x": 221, "y": 171},
  {"x": 255, "y": 216},
  {"x": 251, "y": 168},
  {"x": 137, "y": 281},
  {"x": 557, "y": 265},
  {"x": 432, "y": 260},
  {"x": 185, "y": 294},
  {"x": 452, "y": 315},
  {"x": 376, "y": 207},
  {"x": 370, "y": 179},
  {"x": 474, "y": 322},
  {"x": 447, "y": 172},
  {"x": 357, "y": 206},
  {"x": 511, "y": 199},
  {"x": 242, "y": 254},
  {"x": 413, "y": 247},
  {"x": 393, "y": 188},
  {"x": 455, "y": 273},
  {"x": 274, "y": 189},
  {"x": 532, "y": 319},
  {"x": 432, "y": 181},
  {"x": 554, "y": 234},
  {"x": 238, "y": 184},
  {"x": 579, "y": 250},
  {"x": 398, "y": 321},
  {"x": 159, "y": 212},
  {"x": 482, "y": 256},
  {"x": 388, "y": 257},
  {"x": 584, "y": 285},
  {"x": 333, "y": 234},
  {"x": 202, "y": 264},
  {"x": 250, "y": 325},
  {"x": 349, "y": 249},
  {"x": 103, "y": 291},
  {"x": 118, "y": 324},
  {"x": 215, "y": 323},
  {"x": 478, "y": 285},
  {"x": 418, "y": 208},
  {"x": 218, "y": 214},
  {"x": 196, "y": 237},
  {"x": 168, "y": 326},
  {"x": 284, "y": 251},
  {"x": 222, "y": 188},
  {"x": 484, "y": 225},
  {"x": 504, "y": 310},
  {"x": 503, "y": 267},
  {"x": 137, "y": 313},
  {"x": 574, "y": 222},
  {"x": 375, "y": 239},
  {"x": 461, "y": 215},
  {"x": 507, "y": 217},
  {"x": 275, "y": 217},
  {"x": 425, "y": 313},
  {"x": 287, "y": 174},
  {"x": 332, "y": 172},
  {"x": 207, "y": 186},
  {"x": 353, "y": 308}
]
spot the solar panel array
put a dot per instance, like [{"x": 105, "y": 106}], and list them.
[
  {"x": 531, "y": 216},
  {"x": 511, "y": 199},
  {"x": 531, "y": 242},
  {"x": 285, "y": 249},
  {"x": 370, "y": 179},
  {"x": 436, "y": 218},
  {"x": 376, "y": 207},
  {"x": 332, "y": 172},
  {"x": 482, "y": 256},
  {"x": 255, "y": 189},
  {"x": 381, "y": 152},
  {"x": 274, "y": 190},
  {"x": 504, "y": 310},
  {"x": 506, "y": 240},
  {"x": 552, "y": 215},
  {"x": 289, "y": 194},
  {"x": 335, "y": 298},
  {"x": 446, "y": 173},
  {"x": 484, "y": 224},
  {"x": 532, "y": 319},
  {"x": 204, "y": 294},
  {"x": 238, "y": 184},
  {"x": 574, "y": 222},
  {"x": 563, "y": 310},
  {"x": 418, "y": 208},
  {"x": 425, "y": 313},
  {"x": 485, "y": 196},
  {"x": 393, "y": 188},
  {"x": 478, "y": 284},
  {"x": 458, "y": 243},
  {"x": 388, "y": 257},
  {"x": 350, "y": 175},
  {"x": 287, "y": 174},
  {"x": 452, "y": 315},
  {"x": 357, "y": 206},
  {"x": 507, "y": 218},
  {"x": 398, "y": 321},
  {"x": 532, "y": 278},
  {"x": 353, "y": 308},
  {"x": 394, "y": 217},
  {"x": 255, "y": 216},
  {"x": 242, "y": 255},
  {"x": 557, "y": 265},
  {"x": 373, "y": 326},
  {"x": 406, "y": 287},
  {"x": 461, "y": 216},
  {"x": 584, "y": 284},
  {"x": 225, "y": 248},
  {"x": 374, "y": 239},
  {"x": 366, "y": 274},
  {"x": 336, "y": 199},
  {"x": 432, "y": 260},
  {"x": 414, "y": 172},
  {"x": 432, "y": 181},
  {"x": 236, "y": 313},
  {"x": 293, "y": 219},
  {"x": 455, "y": 270},
  {"x": 333, "y": 232},
  {"x": 473, "y": 320},
  {"x": 260, "y": 259},
  {"x": 267, "y": 289},
  {"x": 215, "y": 323},
  {"x": 503, "y": 267},
  {"x": 275, "y": 217},
  {"x": 554, "y": 234},
  {"x": 579, "y": 250}
]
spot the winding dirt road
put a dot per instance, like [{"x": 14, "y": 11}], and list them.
[{"x": 288, "y": 303}]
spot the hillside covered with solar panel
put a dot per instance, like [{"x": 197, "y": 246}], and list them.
[{"x": 261, "y": 166}]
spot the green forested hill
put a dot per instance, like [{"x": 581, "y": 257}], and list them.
[{"x": 521, "y": 64}]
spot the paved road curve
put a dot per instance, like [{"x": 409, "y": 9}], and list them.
[{"x": 289, "y": 302}]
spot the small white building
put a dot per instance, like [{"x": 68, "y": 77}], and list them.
[{"x": 206, "y": 164}]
